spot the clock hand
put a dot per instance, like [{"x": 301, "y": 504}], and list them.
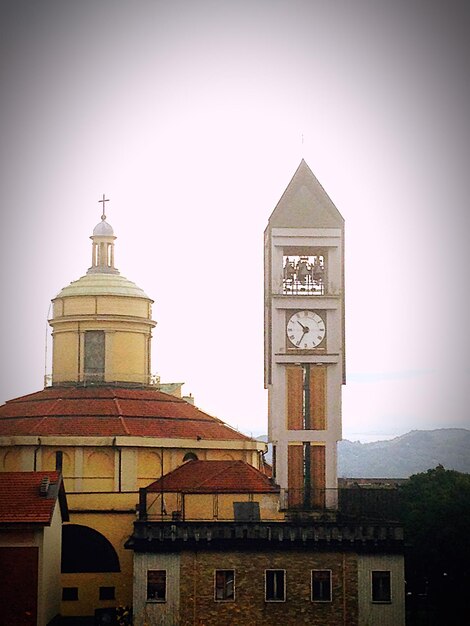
[
  {"x": 304, "y": 328},
  {"x": 303, "y": 334}
]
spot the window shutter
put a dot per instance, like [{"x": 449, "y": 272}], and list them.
[
  {"x": 295, "y": 475},
  {"x": 317, "y": 475},
  {"x": 317, "y": 397},
  {"x": 294, "y": 397}
]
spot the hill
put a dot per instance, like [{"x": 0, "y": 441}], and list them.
[{"x": 416, "y": 451}]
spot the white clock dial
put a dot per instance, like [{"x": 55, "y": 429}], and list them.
[{"x": 305, "y": 330}]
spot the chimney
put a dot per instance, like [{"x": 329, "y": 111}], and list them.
[{"x": 44, "y": 486}]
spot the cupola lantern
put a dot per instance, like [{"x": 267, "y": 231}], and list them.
[{"x": 101, "y": 322}]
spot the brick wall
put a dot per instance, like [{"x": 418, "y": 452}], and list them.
[{"x": 197, "y": 605}]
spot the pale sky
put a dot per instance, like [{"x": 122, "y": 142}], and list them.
[{"x": 189, "y": 116}]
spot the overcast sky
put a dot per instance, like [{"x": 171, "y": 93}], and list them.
[{"x": 189, "y": 116}]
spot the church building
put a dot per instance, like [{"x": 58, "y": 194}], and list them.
[
  {"x": 172, "y": 511},
  {"x": 106, "y": 427}
]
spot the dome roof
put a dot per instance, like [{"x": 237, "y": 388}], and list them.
[
  {"x": 102, "y": 284},
  {"x": 101, "y": 411},
  {"x": 103, "y": 229}
]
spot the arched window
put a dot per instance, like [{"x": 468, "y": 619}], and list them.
[
  {"x": 84, "y": 549},
  {"x": 190, "y": 456}
]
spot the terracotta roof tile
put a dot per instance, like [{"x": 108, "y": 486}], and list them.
[
  {"x": 110, "y": 411},
  {"x": 20, "y": 499},
  {"x": 215, "y": 476}
]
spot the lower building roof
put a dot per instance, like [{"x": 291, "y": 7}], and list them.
[
  {"x": 30, "y": 497},
  {"x": 215, "y": 477}
]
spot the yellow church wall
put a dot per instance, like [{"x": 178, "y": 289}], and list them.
[
  {"x": 116, "y": 528},
  {"x": 48, "y": 461},
  {"x": 83, "y": 305},
  {"x": 57, "y": 308},
  {"x": 268, "y": 505},
  {"x": 106, "y": 464},
  {"x": 129, "y": 357},
  {"x": 126, "y": 350},
  {"x": 65, "y": 356},
  {"x": 114, "y": 305},
  {"x": 209, "y": 507},
  {"x": 198, "y": 506},
  {"x": 98, "y": 470},
  {"x": 101, "y": 305},
  {"x": 11, "y": 460},
  {"x": 149, "y": 467},
  {"x": 88, "y": 592},
  {"x": 103, "y": 501}
]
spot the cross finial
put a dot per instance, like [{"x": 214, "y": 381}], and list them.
[{"x": 103, "y": 200}]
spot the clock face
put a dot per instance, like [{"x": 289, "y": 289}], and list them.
[{"x": 305, "y": 330}]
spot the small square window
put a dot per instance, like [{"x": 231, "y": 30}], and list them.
[
  {"x": 156, "y": 585},
  {"x": 224, "y": 584},
  {"x": 275, "y": 585},
  {"x": 69, "y": 593},
  {"x": 321, "y": 585},
  {"x": 106, "y": 593},
  {"x": 381, "y": 586}
]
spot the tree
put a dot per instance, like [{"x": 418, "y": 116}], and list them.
[{"x": 436, "y": 518}]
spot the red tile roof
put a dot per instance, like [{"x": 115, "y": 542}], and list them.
[
  {"x": 215, "y": 476},
  {"x": 108, "y": 412},
  {"x": 21, "y": 501}
]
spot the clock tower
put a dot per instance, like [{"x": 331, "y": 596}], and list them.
[{"x": 304, "y": 341}]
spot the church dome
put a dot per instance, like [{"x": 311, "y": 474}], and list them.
[
  {"x": 103, "y": 229},
  {"x": 102, "y": 284},
  {"x": 110, "y": 411}
]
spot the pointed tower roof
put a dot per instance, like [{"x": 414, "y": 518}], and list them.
[{"x": 305, "y": 204}]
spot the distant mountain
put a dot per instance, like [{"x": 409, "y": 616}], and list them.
[{"x": 417, "y": 451}]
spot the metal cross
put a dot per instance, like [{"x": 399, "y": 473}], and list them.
[{"x": 103, "y": 217}]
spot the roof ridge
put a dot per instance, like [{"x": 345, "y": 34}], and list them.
[
  {"x": 47, "y": 413},
  {"x": 121, "y": 416}
]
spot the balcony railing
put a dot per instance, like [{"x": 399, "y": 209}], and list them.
[{"x": 350, "y": 502}]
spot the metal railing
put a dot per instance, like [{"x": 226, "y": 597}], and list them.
[{"x": 356, "y": 502}]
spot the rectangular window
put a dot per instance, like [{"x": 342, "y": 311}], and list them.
[
  {"x": 106, "y": 593},
  {"x": 321, "y": 585},
  {"x": 381, "y": 586},
  {"x": 156, "y": 585},
  {"x": 224, "y": 584},
  {"x": 59, "y": 459},
  {"x": 94, "y": 355},
  {"x": 275, "y": 585},
  {"x": 69, "y": 593}
]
